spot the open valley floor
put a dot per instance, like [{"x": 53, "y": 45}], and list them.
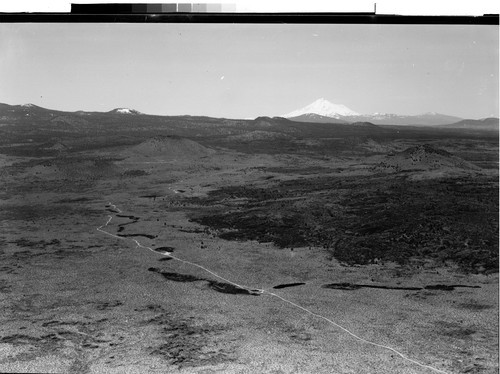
[{"x": 256, "y": 246}]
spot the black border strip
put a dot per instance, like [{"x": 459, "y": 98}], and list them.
[{"x": 284, "y": 18}]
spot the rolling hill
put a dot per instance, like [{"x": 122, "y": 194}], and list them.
[
  {"x": 169, "y": 148},
  {"x": 475, "y": 124}
]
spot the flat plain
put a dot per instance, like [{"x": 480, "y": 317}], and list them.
[{"x": 135, "y": 243}]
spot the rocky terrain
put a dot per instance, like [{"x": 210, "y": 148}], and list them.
[{"x": 136, "y": 243}]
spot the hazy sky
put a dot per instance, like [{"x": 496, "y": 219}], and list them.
[{"x": 240, "y": 71}]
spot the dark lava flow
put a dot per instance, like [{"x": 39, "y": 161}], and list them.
[
  {"x": 342, "y": 286},
  {"x": 231, "y": 289},
  {"x": 176, "y": 277},
  {"x": 164, "y": 249},
  {"x": 216, "y": 286},
  {"x": 143, "y": 235},
  {"x": 445, "y": 287},
  {"x": 127, "y": 223},
  {"x": 352, "y": 286},
  {"x": 129, "y": 217},
  {"x": 133, "y": 218},
  {"x": 363, "y": 220},
  {"x": 288, "y": 285}
]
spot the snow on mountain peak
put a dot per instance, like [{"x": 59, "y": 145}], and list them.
[
  {"x": 324, "y": 108},
  {"x": 125, "y": 111}
]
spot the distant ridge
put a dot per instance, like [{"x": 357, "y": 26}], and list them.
[
  {"x": 363, "y": 124},
  {"x": 475, "y": 124},
  {"x": 316, "y": 118}
]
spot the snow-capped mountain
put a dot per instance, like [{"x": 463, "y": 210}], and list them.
[
  {"x": 325, "y": 112},
  {"x": 125, "y": 111},
  {"x": 323, "y": 108}
]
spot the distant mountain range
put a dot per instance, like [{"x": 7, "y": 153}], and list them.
[
  {"x": 327, "y": 113},
  {"x": 34, "y": 109},
  {"x": 323, "y": 111}
]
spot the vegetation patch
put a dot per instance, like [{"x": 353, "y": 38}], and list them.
[{"x": 184, "y": 343}]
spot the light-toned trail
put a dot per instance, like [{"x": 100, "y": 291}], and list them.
[{"x": 266, "y": 292}]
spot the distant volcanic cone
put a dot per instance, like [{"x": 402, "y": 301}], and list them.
[
  {"x": 426, "y": 158},
  {"x": 170, "y": 148},
  {"x": 324, "y": 108}
]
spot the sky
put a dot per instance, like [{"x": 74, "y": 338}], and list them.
[{"x": 248, "y": 70}]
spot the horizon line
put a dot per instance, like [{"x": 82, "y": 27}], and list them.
[{"x": 249, "y": 117}]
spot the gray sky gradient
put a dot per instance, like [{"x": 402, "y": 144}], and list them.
[{"x": 240, "y": 71}]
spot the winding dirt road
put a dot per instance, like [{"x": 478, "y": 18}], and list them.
[{"x": 265, "y": 292}]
